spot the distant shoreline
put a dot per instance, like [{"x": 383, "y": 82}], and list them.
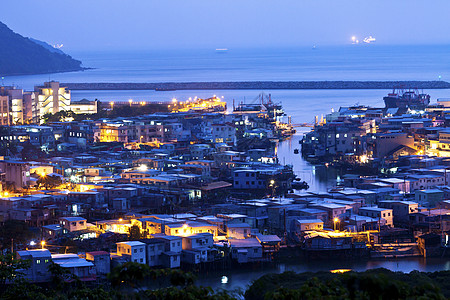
[{"x": 261, "y": 85}]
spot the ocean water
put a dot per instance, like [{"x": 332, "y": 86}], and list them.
[{"x": 350, "y": 62}]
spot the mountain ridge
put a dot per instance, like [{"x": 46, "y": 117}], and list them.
[{"x": 24, "y": 56}]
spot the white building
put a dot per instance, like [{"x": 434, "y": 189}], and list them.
[
  {"x": 244, "y": 251},
  {"x": 155, "y": 248},
  {"x": 73, "y": 223},
  {"x": 224, "y": 133},
  {"x": 238, "y": 230},
  {"x": 40, "y": 260},
  {"x": 378, "y": 213},
  {"x": 49, "y": 98},
  {"x": 171, "y": 257},
  {"x": 307, "y": 224},
  {"x": 200, "y": 240},
  {"x": 84, "y": 106},
  {"x": 81, "y": 268},
  {"x": 134, "y": 249}
]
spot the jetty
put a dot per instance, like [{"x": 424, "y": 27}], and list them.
[{"x": 259, "y": 85}]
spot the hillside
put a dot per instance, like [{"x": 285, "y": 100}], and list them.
[{"x": 23, "y": 56}]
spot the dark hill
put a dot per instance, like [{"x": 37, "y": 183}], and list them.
[{"x": 21, "y": 56}]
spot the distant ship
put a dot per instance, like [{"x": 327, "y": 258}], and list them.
[
  {"x": 369, "y": 39},
  {"x": 221, "y": 50},
  {"x": 355, "y": 40},
  {"x": 406, "y": 98}
]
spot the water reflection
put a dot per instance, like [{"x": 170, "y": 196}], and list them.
[{"x": 319, "y": 178}]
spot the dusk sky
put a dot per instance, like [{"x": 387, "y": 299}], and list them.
[{"x": 148, "y": 24}]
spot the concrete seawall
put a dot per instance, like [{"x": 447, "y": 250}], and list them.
[{"x": 260, "y": 85}]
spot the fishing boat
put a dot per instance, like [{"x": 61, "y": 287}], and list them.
[{"x": 406, "y": 98}]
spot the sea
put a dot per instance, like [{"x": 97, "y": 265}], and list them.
[{"x": 347, "y": 62}]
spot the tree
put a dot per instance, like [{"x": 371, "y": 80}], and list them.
[
  {"x": 31, "y": 152},
  {"x": 14, "y": 231},
  {"x": 60, "y": 276},
  {"x": 135, "y": 233},
  {"x": 60, "y": 116},
  {"x": 49, "y": 181},
  {"x": 11, "y": 269},
  {"x": 130, "y": 273}
]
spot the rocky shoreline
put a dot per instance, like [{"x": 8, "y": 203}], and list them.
[{"x": 259, "y": 85}]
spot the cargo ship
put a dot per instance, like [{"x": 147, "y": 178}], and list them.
[
  {"x": 406, "y": 98},
  {"x": 262, "y": 103},
  {"x": 263, "y": 106}
]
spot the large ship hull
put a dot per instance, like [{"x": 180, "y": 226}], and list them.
[{"x": 406, "y": 99}]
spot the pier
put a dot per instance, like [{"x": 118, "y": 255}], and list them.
[{"x": 259, "y": 85}]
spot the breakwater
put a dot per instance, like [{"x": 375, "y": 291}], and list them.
[{"x": 259, "y": 85}]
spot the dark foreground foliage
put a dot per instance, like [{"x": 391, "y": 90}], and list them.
[
  {"x": 372, "y": 284},
  {"x": 137, "y": 281}
]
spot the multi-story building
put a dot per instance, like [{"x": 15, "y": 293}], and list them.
[
  {"x": 378, "y": 213},
  {"x": 40, "y": 260},
  {"x": 84, "y": 106},
  {"x": 110, "y": 132},
  {"x": 5, "y": 116},
  {"x": 133, "y": 249},
  {"x": 16, "y": 173},
  {"x": 49, "y": 98},
  {"x": 73, "y": 223},
  {"x": 15, "y": 106}
]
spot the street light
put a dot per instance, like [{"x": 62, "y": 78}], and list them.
[
  {"x": 130, "y": 101},
  {"x": 43, "y": 244},
  {"x": 112, "y": 105},
  {"x": 336, "y": 220},
  {"x": 272, "y": 185}
]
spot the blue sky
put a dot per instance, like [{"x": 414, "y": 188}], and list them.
[{"x": 168, "y": 24}]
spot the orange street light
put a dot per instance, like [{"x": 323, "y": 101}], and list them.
[
  {"x": 336, "y": 220},
  {"x": 43, "y": 244}
]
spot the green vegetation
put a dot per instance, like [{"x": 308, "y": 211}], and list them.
[
  {"x": 124, "y": 282},
  {"x": 137, "y": 281},
  {"x": 68, "y": 115},
  {"x": 371, "y": 284},
  {"x": 135, "y": 233},
  {"x": 20, "y": 55},
  {"x": 48, "y": 181},
  {"x": 14, "y": 232}
]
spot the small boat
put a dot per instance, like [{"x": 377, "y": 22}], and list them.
[{"x": 300, "y": 185}]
